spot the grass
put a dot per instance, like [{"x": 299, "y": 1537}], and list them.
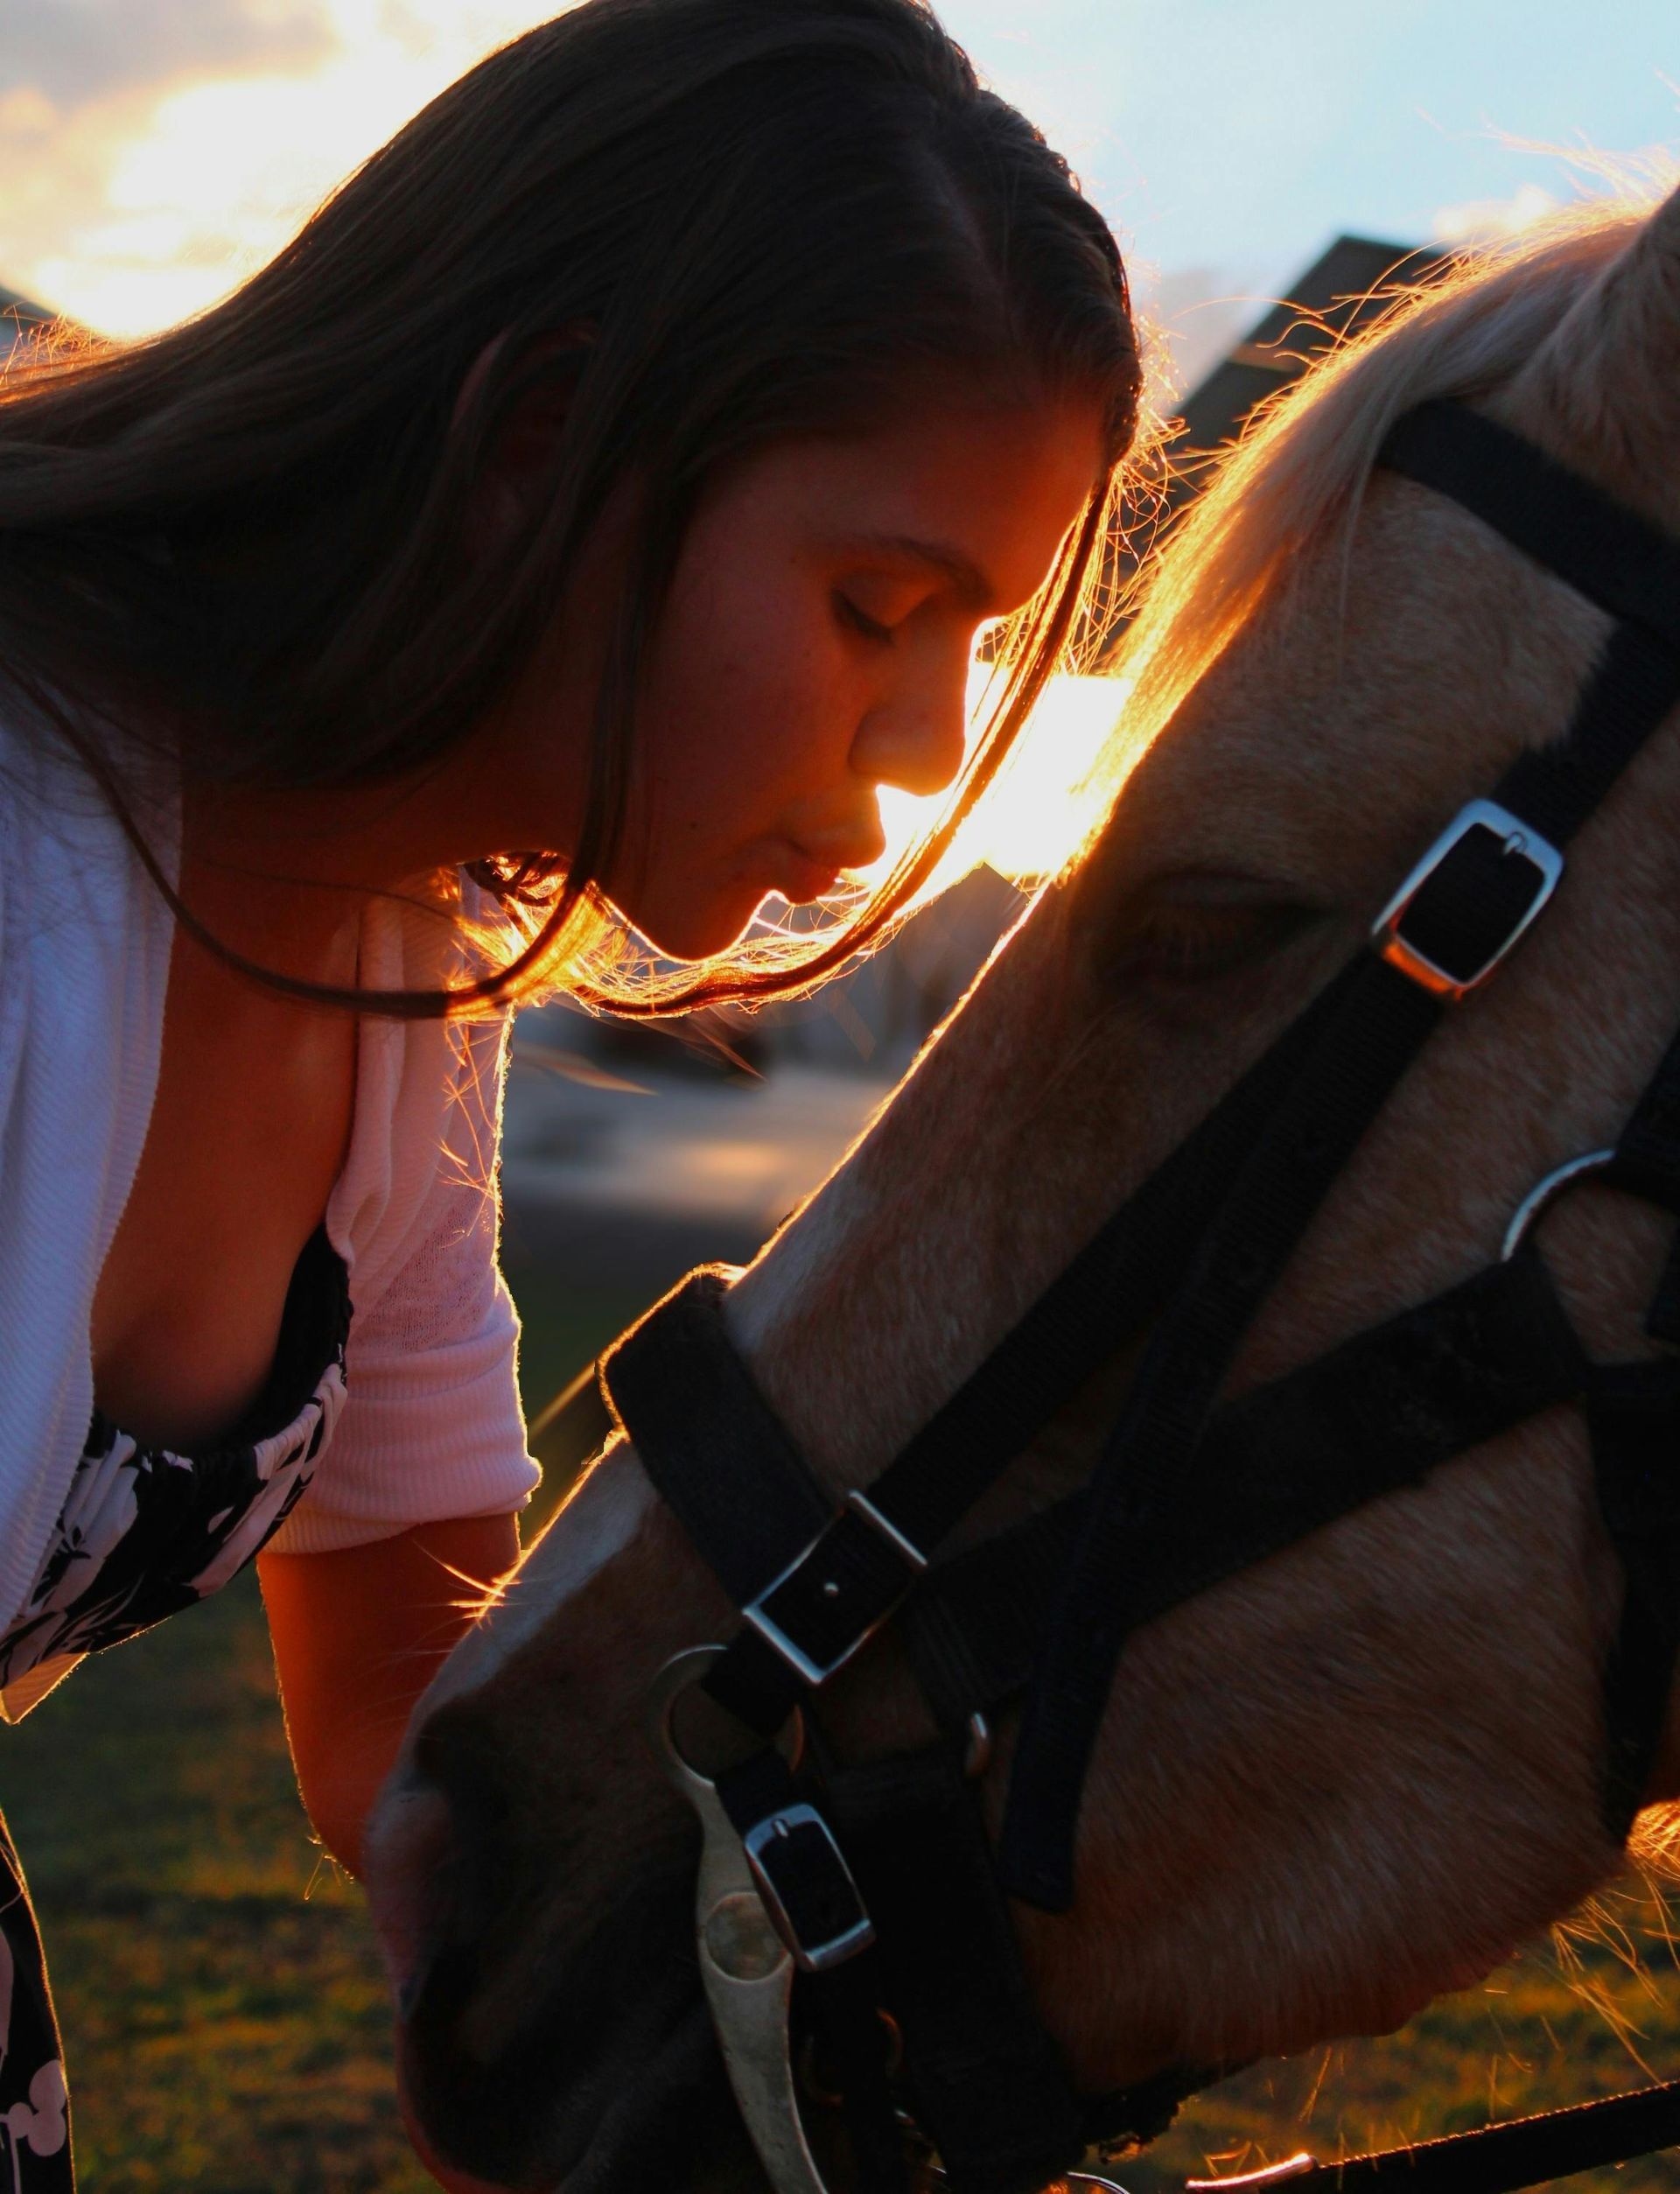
[
  {"x": 225, "y": 2018},
  {"x": 1555, "y": 2026}
]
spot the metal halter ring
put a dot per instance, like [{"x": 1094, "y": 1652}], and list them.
[
  {"x": 1550, "y": 1185},
  {"x": 685, "y": 1672}
]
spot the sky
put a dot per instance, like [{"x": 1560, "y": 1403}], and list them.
[{"x": 153, "y": 151}]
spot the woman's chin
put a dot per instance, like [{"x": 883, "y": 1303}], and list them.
[{"x": 700, "y": 933}]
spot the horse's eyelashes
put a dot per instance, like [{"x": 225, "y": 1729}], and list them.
[{"x": 1156, "y": 939}]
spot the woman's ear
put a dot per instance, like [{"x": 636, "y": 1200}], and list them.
[
  {"x": 1606, "y": 379},
  {"x": 517, "y": 465}
]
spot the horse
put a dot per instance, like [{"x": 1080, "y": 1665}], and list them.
[{"x": 1358, "y": 1773}]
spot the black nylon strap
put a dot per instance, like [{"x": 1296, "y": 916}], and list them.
[
  {"x": 845, "y": 2010},
  {"x": 1379, "y": 1412},
  {"x": 1097, "y": 1302},
  {"x": 986, "y": 2083},
  {"x": 1633, "y": 685},
  {"x": 1647, "y": 1149},
  {"x": 716, "y": 1451},
  {"x": 1647, "y": 1164},
  {"x": 1632, "y": 1413},
  {"x": 1504, "y": 2159},
  {"x": 1384, "y": 1022},
  {"x": 1663, "y": 1316},
  {"x": 1617, "y": 559}
]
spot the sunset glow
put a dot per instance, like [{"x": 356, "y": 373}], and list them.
[{"x": 1039, "y": 808}]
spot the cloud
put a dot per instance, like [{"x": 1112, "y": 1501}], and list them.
[
  {"x": 144, "y": 182},
  {"x": 1482, "y": 220},
  {"x": 79, "y": 54}
]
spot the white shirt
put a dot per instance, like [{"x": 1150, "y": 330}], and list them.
[{"x": 432, "y": 1427}]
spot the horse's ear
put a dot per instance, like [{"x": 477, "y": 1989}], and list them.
[{"x": 1607, "y": 378}]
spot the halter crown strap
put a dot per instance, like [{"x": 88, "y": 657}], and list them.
[{"x": 1605, "y": 552}]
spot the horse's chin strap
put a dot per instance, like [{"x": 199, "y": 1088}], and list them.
[{"x": 878, "y": 1878}]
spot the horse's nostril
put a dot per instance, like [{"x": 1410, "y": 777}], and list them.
[{"x": 408, "y": 1869}]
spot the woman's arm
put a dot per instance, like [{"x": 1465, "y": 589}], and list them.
[{"x": 358, "y": 1635}]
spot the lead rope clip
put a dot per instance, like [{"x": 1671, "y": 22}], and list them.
[{"x": 745, "y": 1968}]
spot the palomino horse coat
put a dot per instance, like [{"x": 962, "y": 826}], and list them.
[{"x": 1356, "y": 1775}]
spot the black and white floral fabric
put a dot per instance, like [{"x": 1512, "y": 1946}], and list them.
[
  {"x": 144, "y": 1532},
  {"x": 34, "y": 2101}
]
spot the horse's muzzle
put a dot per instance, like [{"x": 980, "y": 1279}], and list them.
[{"x": 527, "y": 2063}]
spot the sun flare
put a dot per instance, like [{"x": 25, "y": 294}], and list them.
[{"x": 1039, "y": 808}]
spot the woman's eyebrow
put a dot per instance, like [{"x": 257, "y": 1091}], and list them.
[{"x": 965, "y": 576}]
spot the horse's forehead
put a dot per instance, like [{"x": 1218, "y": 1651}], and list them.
[{"x": 1365, "y": 684}]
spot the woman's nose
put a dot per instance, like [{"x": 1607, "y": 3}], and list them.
[{"x": 915, "y": 741}]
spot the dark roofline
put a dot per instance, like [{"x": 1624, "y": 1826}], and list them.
[{"x": 1351, "y": 282}]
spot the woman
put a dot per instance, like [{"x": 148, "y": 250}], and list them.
[{"x": 565, "y": 536}]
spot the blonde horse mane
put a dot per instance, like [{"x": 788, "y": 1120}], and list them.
[{"x": 1297, "y": 473}]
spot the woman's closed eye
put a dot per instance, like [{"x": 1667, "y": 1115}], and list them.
[
  {"x": 1197, "y": 926},
  {"x": 860, "y": 621}
]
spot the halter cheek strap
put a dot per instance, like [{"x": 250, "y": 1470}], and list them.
[{"x": 1186, "y": 1491}]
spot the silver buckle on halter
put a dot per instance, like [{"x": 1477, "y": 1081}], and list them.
[
  {"x": 1521, "y": 842},
  {"x": 804, "y": 1666},
  {"x": 763, "y": 1845}
]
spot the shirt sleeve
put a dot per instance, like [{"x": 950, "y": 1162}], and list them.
[{"x": 432, "y": 1428}]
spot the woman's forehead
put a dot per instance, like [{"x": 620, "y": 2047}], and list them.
[{"x": 980, "y": 496}]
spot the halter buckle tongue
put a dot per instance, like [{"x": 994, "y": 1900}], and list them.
[{"x": 1468, "y": 900}]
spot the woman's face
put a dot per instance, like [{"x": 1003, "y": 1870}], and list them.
[{"x": 816, "y": 646}]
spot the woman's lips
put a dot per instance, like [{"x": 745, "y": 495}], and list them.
[
  {"x": 805, "y": 876},
  {"x": 810, "y": 873}
]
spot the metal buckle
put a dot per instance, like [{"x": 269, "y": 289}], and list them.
[
  {"x": 765, "y": 1844},
  {"x": 883, "y": 1527},
  {"x": 1521, "y": 842},
  {"x": 804, "y": 1666}
]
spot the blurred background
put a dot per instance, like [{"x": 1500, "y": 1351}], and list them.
[{"x": 1266, "y": 167}]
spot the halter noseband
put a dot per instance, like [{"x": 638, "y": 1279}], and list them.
[{"x": 879, "y": 1878}]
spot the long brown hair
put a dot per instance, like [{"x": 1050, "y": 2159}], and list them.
[{"x": 707, "y": 225}]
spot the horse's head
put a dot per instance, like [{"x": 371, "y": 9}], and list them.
[{"x": 1357, "y": 1773}]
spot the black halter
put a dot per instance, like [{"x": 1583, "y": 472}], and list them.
[{"x": 913, "y": 1919}]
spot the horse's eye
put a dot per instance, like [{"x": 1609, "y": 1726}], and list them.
[{"x": 1192, "y": 929}]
